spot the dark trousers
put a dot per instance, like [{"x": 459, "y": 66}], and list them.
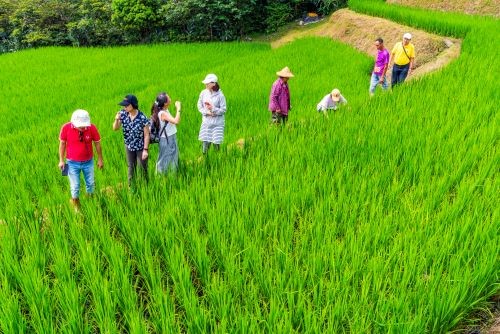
[
  {"x": 399, "y": 73},
  {"x": 134, "y": 157},
  {"x": 279, "y": 118},
  {"x": 206, "y": 146}
]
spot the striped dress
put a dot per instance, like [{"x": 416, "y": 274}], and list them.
[{"x": 212, "y": 127}]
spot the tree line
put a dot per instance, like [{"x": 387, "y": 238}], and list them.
[{"x": 35, "y": 23}]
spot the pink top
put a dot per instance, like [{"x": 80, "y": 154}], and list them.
[{"x": 279, "y": 98}]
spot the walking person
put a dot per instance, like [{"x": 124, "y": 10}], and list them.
[
  {"x": 168, "y": 156},
  {"x": 75, "y": 144},
  {"x": 212, "y": 106},
  {"x": 135, "y": 135},
  {"x": 279, "y": 99},
  {"x": 380, "y": 67},
  {"x": 403, "y": 54},
  {"x": 331, "y": 102}
]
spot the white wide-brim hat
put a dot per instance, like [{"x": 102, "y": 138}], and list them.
[
  {"x": 80, "y": 118},
  {"x": 210, "y": 78}
]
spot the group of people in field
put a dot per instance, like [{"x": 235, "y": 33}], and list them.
[
  {"x": 76, "y": 137},
  {"x": 403, "y": 55}
]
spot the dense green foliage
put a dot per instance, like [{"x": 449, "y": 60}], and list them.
[
  {"x": 382, "y": 218},
  {"x": 33, "y": 23}
]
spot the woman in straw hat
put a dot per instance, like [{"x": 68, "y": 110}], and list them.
[
  {"x": 75, "y": 143},
  {"x": 212, "y": 105},
  {"x": 279, "y": 99},
  {"x": 331, "y": 101}
]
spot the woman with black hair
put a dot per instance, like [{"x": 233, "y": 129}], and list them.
[
  {"x": 135, "y": 135},
  {"x": 168, "y": 156}
]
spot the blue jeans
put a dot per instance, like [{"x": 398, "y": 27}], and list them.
[
  {"x": 74, "y": 169},
  {"x": 399, "y": 73},
  {"x": 375, "y": 80}
]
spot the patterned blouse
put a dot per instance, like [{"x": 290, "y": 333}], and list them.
[{"x": 133, "y": 130}]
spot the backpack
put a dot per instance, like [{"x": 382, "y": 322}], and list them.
[{"x": 154, "y": 128}]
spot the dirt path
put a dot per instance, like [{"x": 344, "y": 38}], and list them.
[{"x": 432, "y": 51}]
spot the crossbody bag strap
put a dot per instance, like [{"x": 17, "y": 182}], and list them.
[
  {"x": 163, "y": 130},
  {"x": 405, "y": 51}
]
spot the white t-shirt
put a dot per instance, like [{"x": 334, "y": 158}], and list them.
[{"x": 170, "y": 129}]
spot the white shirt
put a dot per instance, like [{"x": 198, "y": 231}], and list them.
[
  {"x": 327, "y": 103},
  {"x": 170, "y": 129}
]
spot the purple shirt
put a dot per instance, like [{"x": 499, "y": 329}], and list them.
[
  {"x": 279, "y": 99},
  {"x": 381, "y": 61}
]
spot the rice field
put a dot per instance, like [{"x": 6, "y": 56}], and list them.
[{"x": 382, "y": 218}]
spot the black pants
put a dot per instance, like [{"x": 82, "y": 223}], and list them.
[
  {"x": 279, "y": 118},
  {"x": 206, "y": 146},
  {"x": 134, "y": 157},
  {"x": 399, "y": 73}
]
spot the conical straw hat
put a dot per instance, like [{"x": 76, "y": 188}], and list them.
[{"x": 285, "y": 73}]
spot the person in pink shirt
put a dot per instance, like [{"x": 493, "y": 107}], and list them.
[
  {"x": 380, "y": 67},
  {"x": 75, "y": 144},
  {"x": 279, "y": 99}
]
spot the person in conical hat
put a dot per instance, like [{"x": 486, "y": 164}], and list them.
[{"x": 279, "y": 99}]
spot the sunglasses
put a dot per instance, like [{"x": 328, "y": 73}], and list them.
[{"x": 80, "y": 134}]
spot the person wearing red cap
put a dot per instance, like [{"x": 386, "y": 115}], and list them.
[
  {"x": 75, "y": 143},
  {"x": 135, "y": 135}
]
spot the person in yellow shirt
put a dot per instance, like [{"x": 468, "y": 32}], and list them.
[{"x": 403, "y": 54}]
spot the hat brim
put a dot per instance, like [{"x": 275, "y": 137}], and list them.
[
  {"x": 284, "y": 74},
  {"x": 78, "y": 124},
  {"x": 124, "y": 103}
]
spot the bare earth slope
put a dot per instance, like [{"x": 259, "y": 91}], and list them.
[{"x": 360, "y": 31}]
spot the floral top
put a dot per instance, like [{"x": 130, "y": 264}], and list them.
[{"x": 133, "y": 130}]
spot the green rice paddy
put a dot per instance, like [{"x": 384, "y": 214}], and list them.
[{"x": 382, "y": 218}]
